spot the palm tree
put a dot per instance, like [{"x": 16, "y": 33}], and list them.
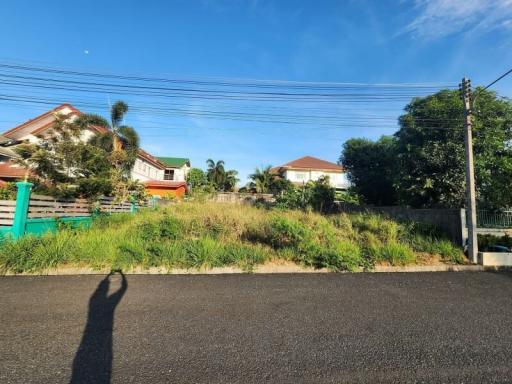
[
  {"x": 261, "y": 180},
  {"x": 121, "y": 141},
  {"x": 230, "y": 180},
  {"x": 266, "y": 181},
  {"x": 221, "y": 179},
  {"x": 216, "y": 173}
]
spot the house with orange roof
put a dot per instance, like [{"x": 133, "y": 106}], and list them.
[
  {"x": 160, "y": 178},
  {"x": 308, "y": 168}
]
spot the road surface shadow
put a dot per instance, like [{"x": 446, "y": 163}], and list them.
[{"x": 93, "y": 359}]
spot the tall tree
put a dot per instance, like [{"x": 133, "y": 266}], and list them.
[
  {"x": 432, "y": 156},
  {"x": 215, "y": 173},
  {"x": 120, "y": 141},
  {"x": 371, "y": 167},
  {"x": 424, "y": 164}
]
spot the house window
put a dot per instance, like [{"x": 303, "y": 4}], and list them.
[
  {"x": 300, "y": 176},
  {"x": 169, "y": 174}
]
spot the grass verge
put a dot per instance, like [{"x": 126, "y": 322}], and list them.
[{"x": 205, "y": 235}]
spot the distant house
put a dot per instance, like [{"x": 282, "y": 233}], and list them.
[
  {"x": 309, "y": 168},
  {"x": 161, "y": 176}
]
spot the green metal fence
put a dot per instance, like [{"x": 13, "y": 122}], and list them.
[
  {"x": 36, "y": 215},
  {"x": 494, "y": 219}
]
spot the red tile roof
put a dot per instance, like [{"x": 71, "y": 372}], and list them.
[
  {"x": 309, "y": 162},
  {"x": 40, "y": 117},
  {"x": 165, "y": 184},
  {"x": 12, "y": 171}
]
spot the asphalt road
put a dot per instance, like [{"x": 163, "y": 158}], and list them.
[{"x": 309, "y": 328}]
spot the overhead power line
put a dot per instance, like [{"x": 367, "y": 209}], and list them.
[
  {"x": 220, "y": 81},
  {"x": 319, "y": 105},
  {"x": 498, "y": 79}
]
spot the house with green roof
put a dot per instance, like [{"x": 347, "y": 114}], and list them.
[
  {"x": 160, "y": 168},
  {"x": 162, "y": 176}
]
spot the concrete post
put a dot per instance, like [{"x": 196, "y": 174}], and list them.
[
  {"x": 470, "y": 173},
  {"x": 21, "y": 212}
]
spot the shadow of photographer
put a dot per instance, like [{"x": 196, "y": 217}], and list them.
[{"x": 93, "y": 359}]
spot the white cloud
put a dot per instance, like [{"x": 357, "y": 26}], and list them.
[{"x": 438, "y": 18}]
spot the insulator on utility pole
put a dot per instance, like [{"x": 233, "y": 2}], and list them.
[{"x": 470, "y": 172}]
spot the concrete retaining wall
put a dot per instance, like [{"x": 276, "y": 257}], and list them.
[
  {"x": 495, "y": 259},
  {"x": 451, "y": 221},
  {"x": 235, "y": 197}
]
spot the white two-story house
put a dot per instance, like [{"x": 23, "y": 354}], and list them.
[
  {"x": 161, "y": 176},
  {"x": 308, "y": 168}
]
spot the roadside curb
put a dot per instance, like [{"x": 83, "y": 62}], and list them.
[
  {"x": 431, "y": 268},
  {"x": 272, "y": 269}
]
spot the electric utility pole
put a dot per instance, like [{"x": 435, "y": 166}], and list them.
[{"x": 470, "y": 171}]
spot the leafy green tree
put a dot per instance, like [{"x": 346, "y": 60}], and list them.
[
  {"x": 196, "y": 178},
  {"x": 64, "y": 165},
  {"x": 431, "y": 153},
  {"x": 423, "y": 165},
  {"x": 371, "y": 167},
  {"x": 293, "y": 198},
  {"x": 317, "y": 195},
  {"x": 349, "y": 196},
  {"x": 321, "y": 195}
]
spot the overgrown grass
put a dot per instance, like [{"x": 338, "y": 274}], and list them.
[{"x": 205, "y": 235}]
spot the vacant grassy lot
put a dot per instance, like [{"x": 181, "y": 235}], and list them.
[{"x": 204, "y": 235}]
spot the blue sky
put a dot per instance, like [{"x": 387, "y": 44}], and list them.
[{"x": 322, "y": 41}]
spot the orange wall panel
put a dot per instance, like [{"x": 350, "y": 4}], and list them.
[{"x": 163, "y": 191}]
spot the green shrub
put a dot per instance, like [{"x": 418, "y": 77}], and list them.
[
  {"x": 343, "y": 223},
  {"x": 318, "y": 195},
  {"x": 385, "y": 229},
  {"x": 147, "y": 231},
  {"x": 345, "y": 256},
  {"x": 287, "y": 233},
  {"x": 32, "y": 253},
  {"x": 8, "y": 191},
  {"x": 448, "y": 251},
  {"x": 371, "y": 247},
  {"x": 486, "y": 240},
  {"x": 170, "y": 228},
  {"x": 397, "y": 254}
]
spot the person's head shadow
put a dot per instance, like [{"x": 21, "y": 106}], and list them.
[{"x": 93, "y": 359}]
